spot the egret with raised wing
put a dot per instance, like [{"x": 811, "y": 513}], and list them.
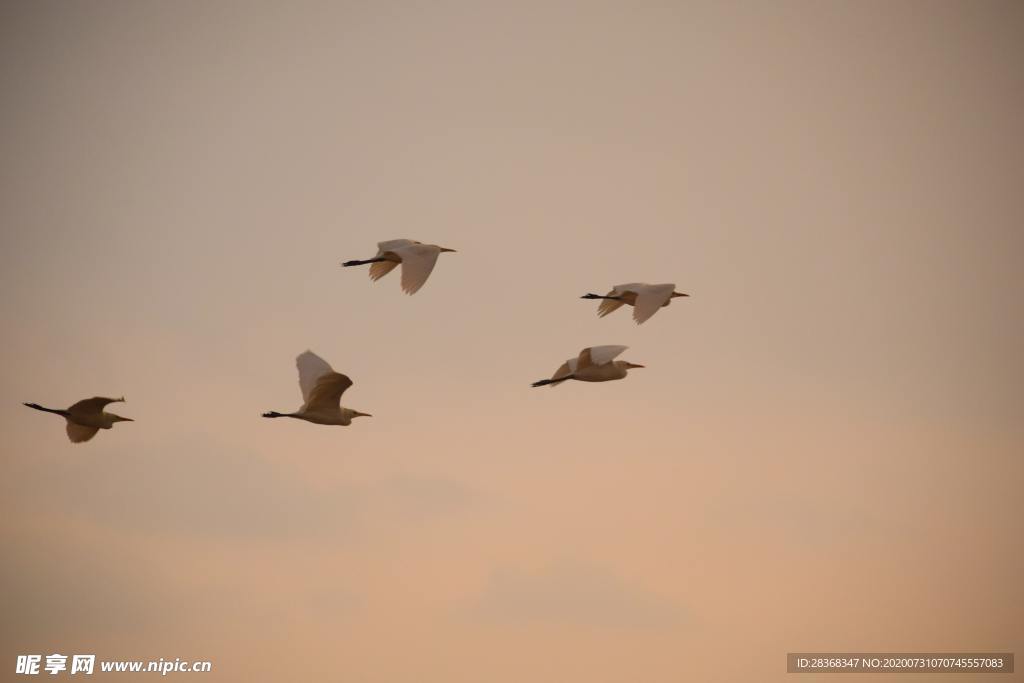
[
  {"x": 594, "y": 364},
  {"x": 644, "y": 298},
  {"x": 86, "y": 417},
  {"x": 322, "y": 388},
  {"x": 417, "y": 261}
]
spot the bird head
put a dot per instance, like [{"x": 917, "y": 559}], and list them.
[{"x": 675, "y": 294}]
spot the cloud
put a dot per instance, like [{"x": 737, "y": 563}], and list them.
[{"x": 572, "y": 594}]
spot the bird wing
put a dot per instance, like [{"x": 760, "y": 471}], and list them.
[
  {"x": 326, "y": 395},
  {"x": 634, "y": 287},
  {"x": 92, "y": 406},
  {"x": 311, "y": 368},
  {"x": 649, "y": 299},
  {"x": 389, "y": 245},
  {"x": 608, "y": 305},
  {"x": 563, "y": 372},
  {"x": 598, "y": 355},
  {"x": 381, "y": 268},
  {"x": 79, "y": 433},
  {"x": 417, "y": 262}
]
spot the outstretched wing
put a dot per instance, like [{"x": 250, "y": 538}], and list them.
[
  {"x": 79, "y": 433},
  {"x": 311, "y": 368},
  {"x": 598, "y": 355},
  {"x": 94, "y": 405},
  {"x": 390, "y": 245},
  {"x": 563, "y": 372},
  {"x": 608, "y": 305},
  {"x": 417, "y": 263},
  {"x": 326, "y": 395},
  {"x": 649, "y": 299},
  {"x": 381, "y": 268}
]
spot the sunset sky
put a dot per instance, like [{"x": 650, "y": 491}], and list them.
[{"x": 825, "y": 451}]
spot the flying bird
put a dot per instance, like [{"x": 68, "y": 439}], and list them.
[
  {"x": 644, "y": 298},
  {"x": 322, "y": 388},
  {"x": 86, "y": 417},
  {"x": 594, "y": 364},
  {"x": 417, "y": 261}
]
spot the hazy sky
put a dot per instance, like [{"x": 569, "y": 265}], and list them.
[{"x": 824, "y": 452}]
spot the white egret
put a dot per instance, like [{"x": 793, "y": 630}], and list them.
[
  {"x": 86, "y": 417},
  {"x": 417, "y": 261},
  {"x": 644, "y": 298},
  {"x": 322, "y": 388},
  {"x": 594, "y": 364}
]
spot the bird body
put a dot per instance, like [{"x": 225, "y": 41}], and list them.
[
  {"x": 86, "y": 417},
  {"x": 644, "y": 298},
  {"x": 322, "y": 388},
  {"x": 593, "y": 364},
  {"x": 417, "y": 261}
]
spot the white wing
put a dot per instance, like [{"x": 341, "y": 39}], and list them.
[
  {"x": 381, "y": 268},
  {"x": 609, "y": 305},
  {"x": 391, "y": 245},
  {"x": 326, "y": 395},
  {"x": 417, "y": 262},
  {"x": 79, "y": 433},
  {"x": 598, "y": 355},
  {"x": 634, "y": 287},
  {"x": 563, "y": 372},
  {"x": 311, "y": 368},
  {"x": 649, "y": 299}
]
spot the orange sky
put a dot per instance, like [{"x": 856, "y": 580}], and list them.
[{"x": 824, "y": 452}]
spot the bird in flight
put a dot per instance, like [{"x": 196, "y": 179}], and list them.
[
  {"x": 644, "y": 298},
  {"x": 86, "y": 417},
  {"x": 417, "y": 261},
  {"x": 594, "y": 364},
  {"x": 322, "y": 388}
]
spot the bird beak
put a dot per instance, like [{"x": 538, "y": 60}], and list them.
[
  {"x": 447, "y": 249},
  {"x": 675, "y": 294},
  {"x": 127, "y": 419},
  {"x": 358, "y": 414},
  {"x": 635, "y": 365}
]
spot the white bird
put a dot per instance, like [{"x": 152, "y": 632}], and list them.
[
  {"x": 644, "y": 298},
  {"x": 417, "y": 261},
  {"x": 322, "y": 388},
  {"x": 86, "y": 417},
  {"x": 594, "y": 364}
]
